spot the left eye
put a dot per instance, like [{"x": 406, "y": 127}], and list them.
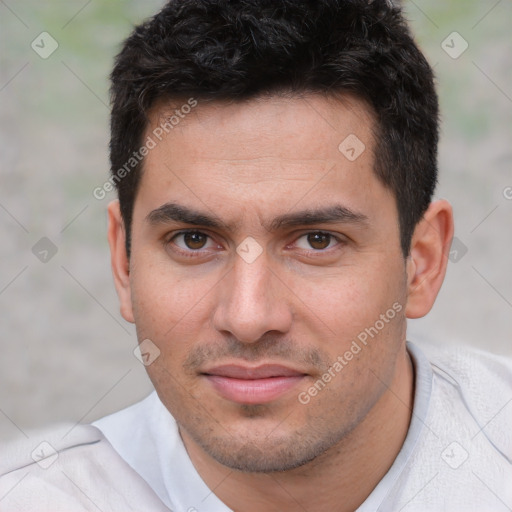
[
  {"x": 318, "y": 241},
  {"x": 191, "y": 240}
]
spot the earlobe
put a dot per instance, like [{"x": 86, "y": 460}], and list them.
[
  {"x": 119, "y": 260},
  {"x": 427, "y": 262}
]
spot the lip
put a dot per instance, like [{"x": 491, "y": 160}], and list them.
[{"x": 246, "y": 385}]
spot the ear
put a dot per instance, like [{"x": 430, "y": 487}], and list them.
[
  {"x": 428, "y": 258},
  {"x": 119, "y": 259}
]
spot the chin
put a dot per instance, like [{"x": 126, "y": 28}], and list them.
[{"x": 253, "y": 453}]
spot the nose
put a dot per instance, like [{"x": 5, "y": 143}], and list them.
[{"x": 252, "y": 303}]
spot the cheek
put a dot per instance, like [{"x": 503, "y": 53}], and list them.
[
  {"x": 351, "y": 298},
  {"x": 164, "y": 297},
  {"x": 359, "y": 319},
  {"x": 171, "y": 311},
  {"x": 174, "y": 313}
]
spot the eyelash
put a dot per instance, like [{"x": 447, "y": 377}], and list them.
[
  {"x": 191, "y": 253},
  {"x": 188, "y": 253}
]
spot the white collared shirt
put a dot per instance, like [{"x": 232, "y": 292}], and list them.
[{"x": 457, "y": 455}]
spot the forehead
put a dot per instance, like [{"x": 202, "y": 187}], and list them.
[
  {"x": 319, "y": 119},
  {"x": 263, "y": 153}
]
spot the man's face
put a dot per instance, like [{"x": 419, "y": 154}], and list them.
[{"x": 261, "y": 251}]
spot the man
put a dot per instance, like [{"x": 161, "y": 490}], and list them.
[{"x": 275, "y": 163}]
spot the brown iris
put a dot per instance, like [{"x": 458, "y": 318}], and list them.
[
  {"x": 319, "y": 241},
  {"x": 195, "y": 240}
]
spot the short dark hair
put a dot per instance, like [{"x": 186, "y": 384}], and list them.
[{"x": 239, "y": 49}]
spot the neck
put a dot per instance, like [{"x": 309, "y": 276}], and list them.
[{"x": 340, "y": 479}]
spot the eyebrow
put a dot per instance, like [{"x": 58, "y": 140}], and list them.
[
  {"x": 173, "y": 212},
  {"x": 329, "y": 215}
]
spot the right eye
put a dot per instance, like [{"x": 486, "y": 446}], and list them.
[{"x": 190, "y": 240}]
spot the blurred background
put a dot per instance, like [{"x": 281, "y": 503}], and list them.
[{"x": 65, "y": 351}]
